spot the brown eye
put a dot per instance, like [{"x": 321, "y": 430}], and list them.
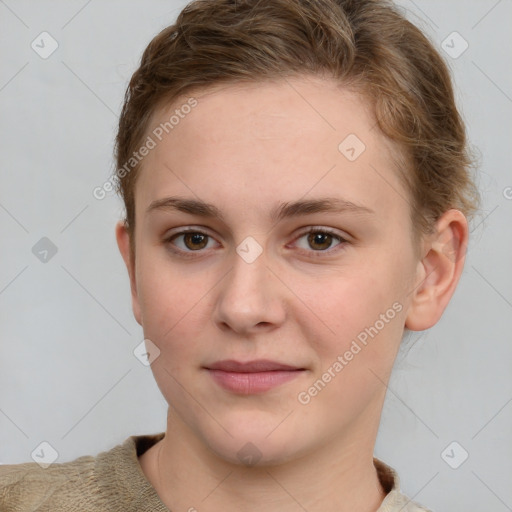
[
  {"x": 319, "y": 240},
  {"x": 190, "y": 242},
  {"x": 195, "y": 241}
]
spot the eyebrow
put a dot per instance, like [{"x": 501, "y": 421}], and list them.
[{"x": 282, "y": 211}]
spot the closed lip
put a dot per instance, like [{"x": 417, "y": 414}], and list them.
[{"x": 258, "y": 365}]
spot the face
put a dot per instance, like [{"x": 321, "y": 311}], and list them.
[{"x": 271, "y": 225}]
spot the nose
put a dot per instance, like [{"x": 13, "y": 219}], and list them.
[{"x": 250, "y": 298}]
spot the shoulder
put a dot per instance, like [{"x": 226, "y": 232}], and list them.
[
  {"x": 29, "y": 487},
  {"x": 395, "y": 500},
  {"x": 401, "y": 502},
  {"x": 111, "y": 480}
]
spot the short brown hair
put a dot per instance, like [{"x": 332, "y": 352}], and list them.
[{"x": 366, "y": 44}]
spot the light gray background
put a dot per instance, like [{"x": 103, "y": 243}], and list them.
[{"x": 67, "y": 372}]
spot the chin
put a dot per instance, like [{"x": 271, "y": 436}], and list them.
[
  {"x": 257, "y": 445},
  {"x": 252, "y": 454}
]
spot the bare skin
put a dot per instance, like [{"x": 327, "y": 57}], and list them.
[{"x": 246, "y": 149}]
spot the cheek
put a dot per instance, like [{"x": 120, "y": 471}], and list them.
[
  {"x": 355, "y": 344},
  {"x": 359, "y": 308},
  {"x": 174, "y": 319},
  {"x": 173, "y": 306}
]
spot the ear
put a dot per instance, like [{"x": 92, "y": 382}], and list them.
[
  {"x": 123, "y": 242},
  {"x": 439, "y": 270}
]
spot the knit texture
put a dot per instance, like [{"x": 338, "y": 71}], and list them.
[{"x": 113, "y": 481}]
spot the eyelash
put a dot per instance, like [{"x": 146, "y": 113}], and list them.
[{"x": 317, "y": 230}]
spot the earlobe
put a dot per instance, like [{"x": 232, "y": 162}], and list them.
[
  {"x": 123, "y": 242},
  {"x": 439, "y": 271}
]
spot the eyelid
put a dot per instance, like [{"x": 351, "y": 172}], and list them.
[
  {"x": 322, "y": 229},
  {"x": 187, "y": 229}
]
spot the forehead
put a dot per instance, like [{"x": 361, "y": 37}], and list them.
[{"x": 282, "y": 139}]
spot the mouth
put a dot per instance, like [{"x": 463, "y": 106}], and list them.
[{"x": 252, "y": 377}]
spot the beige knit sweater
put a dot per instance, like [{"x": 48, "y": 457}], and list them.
[{"x": 113, "y": 481}]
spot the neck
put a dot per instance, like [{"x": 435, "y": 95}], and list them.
[{"x": 336, "y": 476}]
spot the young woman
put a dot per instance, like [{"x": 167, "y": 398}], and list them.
[{"x": 297, "y": 197}]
